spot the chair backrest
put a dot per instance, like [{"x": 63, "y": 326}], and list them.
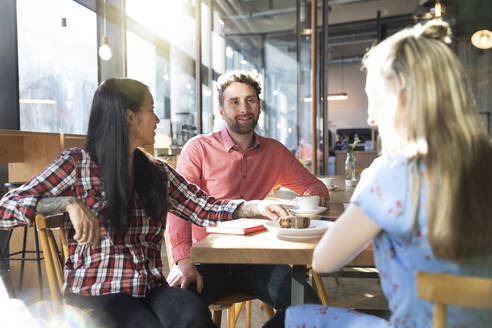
[
  {"x": 443, "y": 289},
  {"x": 53, "y": 257}
]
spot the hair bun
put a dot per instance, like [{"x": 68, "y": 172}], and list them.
[{"x": 437, "y": 30}]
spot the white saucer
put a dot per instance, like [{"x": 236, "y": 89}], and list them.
[
  {"x": 308, "y": 213},
  {"x": 315, "y": 230}
]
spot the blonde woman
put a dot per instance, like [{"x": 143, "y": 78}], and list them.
[{"x": 426, "y": 202}]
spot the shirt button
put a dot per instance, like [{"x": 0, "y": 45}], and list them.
[
  {"x": 244, "y": 177},
  {"x": 241, "y": 196}
]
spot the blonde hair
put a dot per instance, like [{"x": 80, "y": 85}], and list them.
[{"x": 436, "y": 124}]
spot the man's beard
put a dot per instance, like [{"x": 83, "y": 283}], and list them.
[{"x": 241, "y": 128}]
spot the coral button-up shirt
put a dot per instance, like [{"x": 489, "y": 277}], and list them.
[{"x": 222, "y": 169}]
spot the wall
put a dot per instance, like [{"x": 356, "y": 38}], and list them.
[{"x": 350, "y": 113}]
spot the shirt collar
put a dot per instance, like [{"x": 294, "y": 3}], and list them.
[{"x": 229, "y": 143}]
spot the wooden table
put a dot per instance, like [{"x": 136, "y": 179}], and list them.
[{"x": 265, "y": 248}]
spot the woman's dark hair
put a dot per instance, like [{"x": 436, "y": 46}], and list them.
[{"x": 107, "y": 143}]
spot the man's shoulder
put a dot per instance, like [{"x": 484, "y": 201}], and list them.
[
  {"x": 201, "y": 143},
  {"x": 271, "y": 143},
  {"x": 203, "y": 139}
]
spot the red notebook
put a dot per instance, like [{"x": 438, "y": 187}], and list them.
[{"x": 238, "y": 227}]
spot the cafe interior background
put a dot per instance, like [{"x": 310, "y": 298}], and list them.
[{"x": 54, "y": 53}]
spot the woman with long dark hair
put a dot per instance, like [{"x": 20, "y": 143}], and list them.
[{"x": 117, "y": 198}]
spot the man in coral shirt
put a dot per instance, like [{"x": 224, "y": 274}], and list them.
[{"x": 236, "y": 163}]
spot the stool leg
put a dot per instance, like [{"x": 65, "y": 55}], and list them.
[
  {"x": 23, "y": 256},
  {"x": 38, "y": 256}
]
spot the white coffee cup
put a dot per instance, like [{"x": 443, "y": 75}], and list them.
[
  {"x": 307, "y": 202},
  {"x": 327, "y": 181}
]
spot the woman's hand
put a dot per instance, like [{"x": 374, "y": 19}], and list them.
[
  {"x": 85, "y": 223},
  {"x": 255, "y": 208},
  {"x": 271, "y": 211}
]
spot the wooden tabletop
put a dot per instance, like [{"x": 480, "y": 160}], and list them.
[
  {"x": 262, "y": 248},
  {"x": 257, "y": 248},
  {"x": 265, "y": 248}
]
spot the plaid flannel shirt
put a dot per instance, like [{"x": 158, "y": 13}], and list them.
[{"x": 129, "y": 263}]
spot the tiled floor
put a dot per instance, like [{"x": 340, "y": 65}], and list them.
[{"x": 351, "y": 292}]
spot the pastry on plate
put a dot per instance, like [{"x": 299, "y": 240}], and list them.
[{"x": 291, "y": 221}]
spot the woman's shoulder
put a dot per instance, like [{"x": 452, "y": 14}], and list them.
[
  {"x": 386, "y": 169},
  {"x": 158, "y": 163},
  {"x": 76, "y": 154},
  {"x": 390, "y": 161}
]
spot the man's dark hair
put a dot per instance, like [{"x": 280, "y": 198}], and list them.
[{"x": 248, "y": 77}]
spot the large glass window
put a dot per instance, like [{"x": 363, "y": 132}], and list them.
[
  {"x": 57, "y": 65},
  {"x": 164, "y": 59},
  {"x": 281, "y": 88}
]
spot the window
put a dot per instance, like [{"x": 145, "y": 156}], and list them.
[
  {"x": 165, "y": 60},
  {"x": 57, "y": 65}
]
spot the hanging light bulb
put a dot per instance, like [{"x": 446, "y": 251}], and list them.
[
  {"x": 482, "y": 39},
  {"x": 438, "y": 9},
  {"x": 105, "y": 51}
]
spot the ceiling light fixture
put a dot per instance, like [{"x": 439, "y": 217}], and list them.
[
  {"x": 438, "y": 10},
  {"x": 105, "y": 51},
  {"x": 304, "y": 18},
  {"x": 482, "y": 39},
  {"x": 338, "y": 96},
  {"x": 331, "y": 97}
]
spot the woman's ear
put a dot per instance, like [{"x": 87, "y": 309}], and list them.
[
  {"x": 403, "y": 91},
  {"x": 130, "y": 117}
]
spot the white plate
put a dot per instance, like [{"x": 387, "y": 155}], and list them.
[
  {"x": 308, "y": 213},
  {"x": 298, "y": 238},
  {"x": 316, "y": 229}
]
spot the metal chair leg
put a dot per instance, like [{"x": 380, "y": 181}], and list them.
[
  {"x": 23, "y": 256},
  {"x": 38, "y": 256}
]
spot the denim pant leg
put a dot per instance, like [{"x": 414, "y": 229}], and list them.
[
  {"x": 216, "y": 279},
  {"x": 116, "y": 310},
  {"x": 179, "y": 308}
]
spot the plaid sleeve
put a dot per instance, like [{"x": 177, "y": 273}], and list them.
[
  {"x": 17, "y": 207},
  {"x": 189, "y": 202}
]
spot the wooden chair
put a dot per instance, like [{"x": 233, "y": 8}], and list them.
[
  {"x": 443, "y": 289},
  {"x": 53, "y": 257},
  {"x": 233, "y": 303},
  {"x": 320, "y": 287}
]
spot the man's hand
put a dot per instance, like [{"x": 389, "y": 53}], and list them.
[
  {"x": 187, "y": 274},
  {"x": 85, "y": 223}
]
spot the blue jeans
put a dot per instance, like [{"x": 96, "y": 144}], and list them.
[
  {"x": 270, "y": 283},
  {"x": 162, "y": 307}
]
